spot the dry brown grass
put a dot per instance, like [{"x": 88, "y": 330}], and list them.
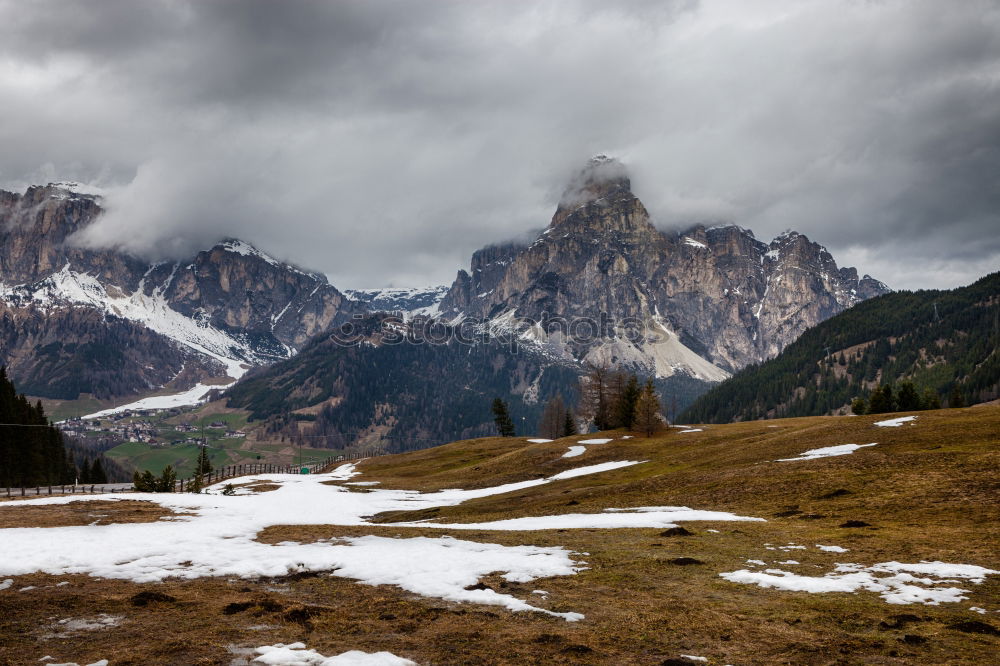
[
  {"x": 929, "y": 492},
  {"x": 90, "y": 512}
]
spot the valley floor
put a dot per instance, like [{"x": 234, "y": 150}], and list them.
[{"x": 766, "y": 542}]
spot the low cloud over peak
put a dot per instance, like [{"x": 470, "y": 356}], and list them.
[{"x": 384, "y": 142}]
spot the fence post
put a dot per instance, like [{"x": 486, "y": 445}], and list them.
[
  {"x": 50, "y": 490},
  {"x": 38, "y": 490},
  {"x": 91, "y": 488}
]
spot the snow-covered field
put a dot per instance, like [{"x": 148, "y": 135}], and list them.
[
  {"x": 192, "y": 396},
  {"x": 214, "y": 535}
]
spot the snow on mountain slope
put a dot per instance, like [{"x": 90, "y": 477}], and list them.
[
  {"x": 410, "y": 301},
  {"x": 68, "y": 287}
]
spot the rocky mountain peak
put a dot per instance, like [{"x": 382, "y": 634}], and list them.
[
  {"x": 602, "y": 181},
  {"x": 712, "y": 299}
]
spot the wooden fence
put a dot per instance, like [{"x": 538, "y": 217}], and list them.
[
  {"x": 215, "y": 476},
  {"x": 69, "y": 489},
  {"x": 247, "y": 469}
]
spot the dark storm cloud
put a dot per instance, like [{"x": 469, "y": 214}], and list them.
[{"x": 382, "y": 142}]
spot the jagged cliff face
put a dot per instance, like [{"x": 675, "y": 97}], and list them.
[
  {"x": 63, "y": 307},
  {"x": 709, "y": 300}
]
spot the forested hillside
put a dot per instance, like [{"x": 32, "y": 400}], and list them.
[
  {"x": 401, "y": 396},
  {"x": 942, "y": 341}
]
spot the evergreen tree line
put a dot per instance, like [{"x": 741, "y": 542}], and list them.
[
  {"x": 31, "y": 448},
  {"x": 906, "y": 398},
  {"x": 943, "y": 342},
  {"x": 147, "y": 482},
  {"x": 86, "y": 454}
]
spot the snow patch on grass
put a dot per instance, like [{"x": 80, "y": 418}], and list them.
[
  {"x": 296, "y": 654},
  {"x": 895, "y": 582},
  {"x": 895, "y": 423},
  {"x": 574, "y": 451},
  {"x": 827, "y": 452},
  {"x": 644, "y": 516}
]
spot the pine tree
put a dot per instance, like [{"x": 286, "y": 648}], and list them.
[
  {"x": 623, "y": 410},
  {"x": 569, "y": 425},
  {"x": 144, "y": 482},
  {"x": 881, "y": 400},
  {"x": 97, "y": 474},
  {"x": 203, "y": 465},
  {"x": 930, "y": 399},
  {"x": 955, "y": 398},
  {"x": 907, "y": 399},
  {"x": 165, "y": 484},
  {"x": 858, "y": 406},
  {"x": 501, "y": 416},
  {"x": 647, "y": 411}
]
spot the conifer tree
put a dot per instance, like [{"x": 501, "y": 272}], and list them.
[
  {"x": 858, "y": 406},
  {"x": 907, "y": 399},
  {"x": 955, "y": 398},
  {"x": 501, "y": 416},
  {"x": 623, "y": 411},
  {"x": 203, "y": 465},
  {"x": 930, "y": 399},
  {"x": 165, "y": 484},
  {"x": 97, "y": 474},
  {"x": 881, "y": 400},
  {"x": 569, "y": 425}
]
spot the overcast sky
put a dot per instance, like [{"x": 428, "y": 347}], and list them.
[{"x": 382, "y": 142}]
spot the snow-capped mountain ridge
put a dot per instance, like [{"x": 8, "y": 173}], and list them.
[
  {"x": 232, "y": 306},
  {"x": 409, "y": 301}
]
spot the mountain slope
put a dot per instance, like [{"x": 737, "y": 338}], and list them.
[
  {"x": 397, "y": 394},
  {"x": 937, "y": 339},
  {"x": 70, "y": 314}
]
